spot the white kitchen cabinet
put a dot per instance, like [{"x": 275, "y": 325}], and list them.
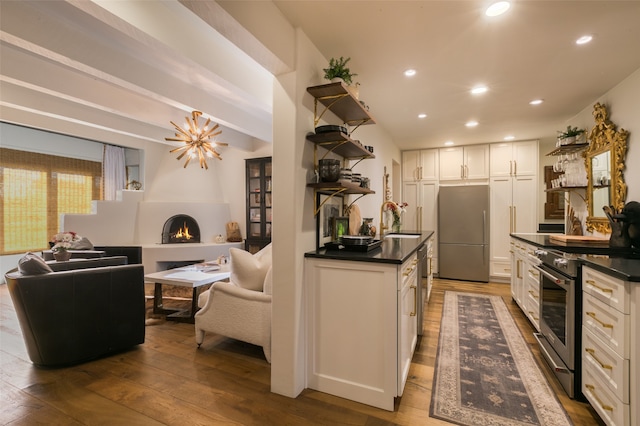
[
  {"x": 361, "y": 328},
  {"x": 513, "y": 158},
  {"x": 518, "y": 266},
  {"x": 464, "y": 163},
  {"x": 525, "y": 284},
  {"x": 422, "y": 209},
  {"x": 513, "y": 209},
  {"x": 610, "y": 347},
  {"x": 420, "y": 165}
]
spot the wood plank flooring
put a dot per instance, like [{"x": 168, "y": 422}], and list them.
[{"x": 169, "y": 381}]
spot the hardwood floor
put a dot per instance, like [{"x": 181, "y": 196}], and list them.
[{"x": 167, "y": 380}]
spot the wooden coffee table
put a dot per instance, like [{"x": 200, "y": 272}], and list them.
[{"x": 189, "y": 276}]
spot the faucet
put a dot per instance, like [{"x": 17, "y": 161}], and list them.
[{"x": 382, "y": 225}]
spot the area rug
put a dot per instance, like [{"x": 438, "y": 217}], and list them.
[{"x": 485, "y": 372}]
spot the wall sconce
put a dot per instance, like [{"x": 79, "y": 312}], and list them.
[{"x": 197, "y": 140}]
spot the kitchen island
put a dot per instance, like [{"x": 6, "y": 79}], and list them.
[{"x": 361, "y": 318}]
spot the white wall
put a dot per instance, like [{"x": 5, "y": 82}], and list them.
[
  {"x": 294, "y": 221},
  {"x": 623, "y": 106}
]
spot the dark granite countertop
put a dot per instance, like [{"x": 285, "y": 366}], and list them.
[
  {"x": 544, "y": 241},
  {"x": 623, "y": 263},
  {"x": 392, "y": 250},
  {"x": 619, "y": 267}
]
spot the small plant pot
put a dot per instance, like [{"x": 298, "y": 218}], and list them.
[{"x": 62, "y": 256}]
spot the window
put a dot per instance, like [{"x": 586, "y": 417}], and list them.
[{"x": 36, "y": 190}]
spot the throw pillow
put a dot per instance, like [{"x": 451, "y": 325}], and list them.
[
  {"x": 249, "y": 270},
  {"x": 82, "y": 244},
  {"x": 32, "y": 264}
]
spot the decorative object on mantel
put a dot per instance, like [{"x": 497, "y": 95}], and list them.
[
  {"x": 62, "y": 243},
  {"x": 233, "y": 232},
  {"x": 338, "y": 70},
  {"x": 197, "y": 140},
  {"x": 134, "y": 184}
]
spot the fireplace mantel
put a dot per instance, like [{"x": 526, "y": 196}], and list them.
[{"x": 153, "y": 254}]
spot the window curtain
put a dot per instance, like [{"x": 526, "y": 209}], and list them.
[{"x": 114, "y": 173}]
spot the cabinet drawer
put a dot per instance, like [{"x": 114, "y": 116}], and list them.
[
  {"x": 533, "y": 311},
  {"x": 605, "y": 364},
  {"x": 613, "y": 411},
  {"x": 610, "y": 325},
  {"x": 611, "y": 291},
  {"x": 408, "y": 270}
]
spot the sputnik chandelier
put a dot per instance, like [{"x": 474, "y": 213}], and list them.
[{"x": 197, "y": 141}]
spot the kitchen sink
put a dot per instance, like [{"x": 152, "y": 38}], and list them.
[{"x": 402, "y": 236}]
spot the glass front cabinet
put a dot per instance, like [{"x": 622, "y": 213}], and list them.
[{"x": 258, "y": 203}]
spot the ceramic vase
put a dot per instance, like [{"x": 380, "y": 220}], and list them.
[{"x": 62, "y": 256}]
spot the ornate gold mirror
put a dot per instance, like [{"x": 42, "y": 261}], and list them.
[{"x": 604, "y": 160}]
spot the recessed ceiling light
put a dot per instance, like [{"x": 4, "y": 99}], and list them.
[
  {"x": 584, "y": 39},
  {"x": 509, "y": 138},
  {"x": 479, "y": 89},
  {"x": 410, "y": 72},
  {"x": 497, "y": 8},
  {"x": 471, "y": 123},
  {"x": 536, "y": 102},
  {"x": 422, "y": 115},
  {"x": 448, "y": 143}
]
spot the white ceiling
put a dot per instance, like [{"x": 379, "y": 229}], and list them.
[
  {"x": 108, "y": 70},
  {"x": 527, "y": 53}
]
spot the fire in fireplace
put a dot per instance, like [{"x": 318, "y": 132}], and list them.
[{"x": 180, "y": 228}]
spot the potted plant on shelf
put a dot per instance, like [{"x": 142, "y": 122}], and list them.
[
  {"x": 570, "y": 136},
  {"x": 62, "y": 243},
  {"x": 338, "y": 70}
]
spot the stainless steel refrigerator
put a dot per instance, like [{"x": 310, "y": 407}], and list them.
[{"x": 463, "y": 232}]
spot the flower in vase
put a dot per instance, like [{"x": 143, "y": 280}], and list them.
[{"x": 62, "y": 241}]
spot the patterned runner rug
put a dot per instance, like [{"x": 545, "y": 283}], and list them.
[{"x": 485, "y": 373}]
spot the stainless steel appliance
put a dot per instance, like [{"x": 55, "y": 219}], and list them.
[
  {"x": 463, "y": 232},
  {"x": 560, "y": 334}
]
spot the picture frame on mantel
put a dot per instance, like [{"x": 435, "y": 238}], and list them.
[{"x": 331, "y": 206}]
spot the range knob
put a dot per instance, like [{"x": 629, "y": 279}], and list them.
[
  {"x": 540, "y": 253},
  {"x": 560, "y": 263}
]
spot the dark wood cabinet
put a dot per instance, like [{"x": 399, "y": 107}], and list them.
[{"x": 258, "y": 192}]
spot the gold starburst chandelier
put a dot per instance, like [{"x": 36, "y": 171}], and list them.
[{"x": 197, "y": 141}]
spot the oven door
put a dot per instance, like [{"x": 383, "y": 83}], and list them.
[{"x": 557, "y": 312}]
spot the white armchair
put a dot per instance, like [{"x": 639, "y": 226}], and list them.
[{"x": 233, "y": 310}]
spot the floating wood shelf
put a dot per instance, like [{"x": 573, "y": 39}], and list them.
[
  {"x": 567, "y": 149},
  {"x": 337, "y": 98},
  {"x": 340, "y": 144},
  {"x": 340, "y": 187}
]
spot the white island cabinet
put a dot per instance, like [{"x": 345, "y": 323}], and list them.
[{"x": 361, "y": 327}]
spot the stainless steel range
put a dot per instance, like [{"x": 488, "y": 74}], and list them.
[{"x": 560, "y": 316}]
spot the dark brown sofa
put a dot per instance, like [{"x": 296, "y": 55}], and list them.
[{"x": 85, "y": 309}]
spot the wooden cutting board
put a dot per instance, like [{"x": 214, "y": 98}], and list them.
[
  {"x": 579, "y": 239},
  {"x": 355, "y": 220}
]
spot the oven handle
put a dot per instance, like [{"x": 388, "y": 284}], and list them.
[{"x": 559, "y": 281}]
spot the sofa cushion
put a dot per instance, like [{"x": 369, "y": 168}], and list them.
[
  {"x": 82, "y": 244},
  {"x": 249, "y": 270},
  {"x": 32, "y": 264}
]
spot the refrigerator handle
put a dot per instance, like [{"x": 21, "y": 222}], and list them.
[
  {"x": 484, "y": 225},
  {"x": 461, "y": 171}
]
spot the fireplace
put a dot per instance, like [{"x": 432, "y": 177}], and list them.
[{"x": 180, "y": 228}]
